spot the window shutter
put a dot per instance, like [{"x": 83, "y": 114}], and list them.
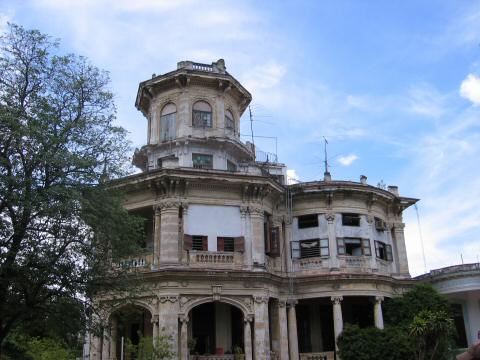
[
  {"x": 366, "y": 247},
  {"x": 239, "y": 244},
  {"x": 220, "y": 244},
  {"x": 205, "y": 243},
  {"x": 274, "y": 241},
  {"x": 377, "y": 249},
  {"x": 266, "y": 235},
  {"x": 295, "y": 249},
  {"x": 187, "y": 242},
  {"x": 340, "y": 247},
  {"x": 389, "y": 252}
]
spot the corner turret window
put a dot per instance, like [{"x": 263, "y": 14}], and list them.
[
  {"x": 229, "y": 121},
  {"x": 202, "y": 161},
  {"x": 350, "y": 219},
  {"x": 167, "y": 122},
  {"x": 202, "y": 114},
  {"x": 383, "y": 251}
]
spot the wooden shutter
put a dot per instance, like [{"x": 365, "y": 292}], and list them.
[
  {"x": 266, "y": 234},
  {"x": 389, "y": 252},
  {"x": 295, "y": 249},
  {"x": 220, "y": 244},
  {"x": 187, "y": 242},
  {"x": 377, "y": 249},
  {"x": 366, "y": 247},
  {"x": 239, "y": 244},
  {"x": 340, "y": 246},
  {"x": 275, "y": 241},
  {"x": 205, "y": 243}
]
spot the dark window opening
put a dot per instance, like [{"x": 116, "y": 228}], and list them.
[
  {"x": 353, "y": 246},
  {"x": 351, "y": 219},
  {"x": 383, "y": 251},
  {"x": 229, "y": 122},
  {"x": 313, "y": 248},
  {"x": 202, "y": 161},
  {"x": 159, "y": 163},
  {"x": 231, "y": 166},
  {"x": 226, "y": 244},
  {"x": 459, "y": 321},
  {"x": 197, "y": 242},
  {"x": 307, "y": 221}
]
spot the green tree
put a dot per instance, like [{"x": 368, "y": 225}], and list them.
[{"x": 58, "y": 223}]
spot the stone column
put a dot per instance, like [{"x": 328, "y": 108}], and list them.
[
  {"x": 332, "y": 241},
  {"x": 156, "y": 235},
  {"x": 106, "y": 344},
  {"x": 113, "y": 338},
  {"x": 261, "y": 328},
  {"x": 155, "y": 328},
  {"x": 258, "y": 242},
  {"x": 247, "y": 234},
  {"x": 377, "y": 312},
  {"x": 169, "y": 233},
  {"x": 183, "y": 338},
  {"x": 337, "y": 317},
  {"x": 95, "y": 348},
  {"x": 247, "y": 337},
  {"x": 283, "y": 329},
  {"x": 292, "y": 330},
  {"x": 168, "y": 318},
  {"x": 401, "y": 248}
]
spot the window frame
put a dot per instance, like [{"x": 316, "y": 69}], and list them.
[
  {"x": 365, "y": 248},
  {"x": 229, "y": 120},
  {"x": 202, "y": 118},
  {"x": 322, "y": 244},
  {"x": 231, "y": 166},
  {"x": 386, "y": 249},
  {"x": 168, "y": 122}
]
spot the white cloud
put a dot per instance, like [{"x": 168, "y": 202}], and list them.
[
  {"x": 347, "y": 160},
  {"x": 292, "y": 177},
  {"x": 470, "y": 89},
  {"x": 427, "y": 101}
]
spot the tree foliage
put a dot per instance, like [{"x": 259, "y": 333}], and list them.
[
  {"x": 147, "y": 349},
  {"x": 419, "y": 327},
  {"x": 58, "y": 223}
]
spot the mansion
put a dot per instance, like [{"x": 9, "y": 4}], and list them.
[{"x": 238, "y": 264}]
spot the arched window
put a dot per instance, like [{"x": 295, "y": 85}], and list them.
[
  {"x": 167, "y": 122},
  {"x": 202, "y": 114},
  {"x": 229, "y": 121}
]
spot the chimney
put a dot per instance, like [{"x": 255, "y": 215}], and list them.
[
  {"x": 393, "y": 189},
  {"x": 363, "y": 179},
  {"x": 327, "y": 177}
]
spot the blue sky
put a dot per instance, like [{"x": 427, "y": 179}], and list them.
[{"x": 393, "y": 85}]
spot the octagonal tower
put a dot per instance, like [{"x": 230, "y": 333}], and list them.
[{"x": 193, "y": 119}]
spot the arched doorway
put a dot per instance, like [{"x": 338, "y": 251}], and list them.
[
  {"x": 216, "y": 328},
  {"x": 128, "y": 325}
]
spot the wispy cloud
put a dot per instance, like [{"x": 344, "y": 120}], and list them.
[
  {"x": 292, "y": 177},
  {"x": 470, "y": 89},
  {"x": 347, "y": 160},
  {"x": 427, "y": 101}
]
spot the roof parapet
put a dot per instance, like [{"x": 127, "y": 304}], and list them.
[{"x": 217, "y": 67}]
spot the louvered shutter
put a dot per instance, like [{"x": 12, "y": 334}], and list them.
[
  {"x": 275, "y": 241},
  {"x": 220, "y": 244},
  {"x": 205, "y": 243},
  {"x": 295, "y": 249},
  {"x": 239, "y": 244},
  {"x": 389, "y": 252},
  {"x": 377, "y": 249},
  {"x": 187, "y": 242}
]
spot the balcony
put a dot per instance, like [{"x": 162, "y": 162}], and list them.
[
  {"x": 140, "y": 262},
  {"x": 311, "y": 263},
  {"x": 215, "y": 259},
  {"x": 356, "y": 262}
]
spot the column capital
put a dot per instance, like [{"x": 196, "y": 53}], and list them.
[
  {"x": 260, "y": 299},
  {"x": 155, "y": 319},
  {"x": 398, "y": 227},
  {"x": 244, "y": 211},
  {"x": 248, "y": 318},
  {"x": 292, "y": 302},
  {"x": 379, "y": 299},
  {"x": 169, "y": 204},
  {"x": 282, "y": 303},
  {"x": 336, "y": 299},
  {"x": 183, "y": 319},
  {"x": 256, "y": 211},
  {"x": 330, "y": 217}
]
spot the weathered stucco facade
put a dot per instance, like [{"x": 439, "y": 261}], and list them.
[{"x": 235, "y": 258}]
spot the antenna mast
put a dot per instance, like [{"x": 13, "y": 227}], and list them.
[
  {"x": 325, "y": 151},
  {"x": 251, "y": 130}
]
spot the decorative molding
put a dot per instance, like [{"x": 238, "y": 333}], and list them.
[
  {"x": 244, "y": 211},
  {"x": 292, "y": 302},
  {"x": 256, "y": 211},
  {"x": 398, "y": 227},
  {"x": 183, "y": 319},
  {"x": 260, "y": 299},
  {"x": 169, "y": 205},
  {"x": 155, "y": 319},
  {"x": 379, "y": 299},
  {"x": 282, "y": 303},
  {"x": 168, "y": 298},
  {"x": 369, "y": 219},
  {"x": 216, "y": 292},
  {"x": 248, "y": 319}
]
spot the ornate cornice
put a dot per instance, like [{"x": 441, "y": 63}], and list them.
[
  {"x": 168, "y": 298},
  {"x": 336, "y": 300}
]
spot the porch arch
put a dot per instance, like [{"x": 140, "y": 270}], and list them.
[{"x": 187, "y": 307}]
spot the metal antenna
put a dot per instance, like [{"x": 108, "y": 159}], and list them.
[
  {"x": 421, "y": 238},
  {"x": 251, "y": 129},
  {"x": 325, "y": 151}
]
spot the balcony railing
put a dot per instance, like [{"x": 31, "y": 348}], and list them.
[
  {"x": 220, "y": 259},
  {"x": 136, "y": 262},
  {"x": 315, "y": 356}
]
